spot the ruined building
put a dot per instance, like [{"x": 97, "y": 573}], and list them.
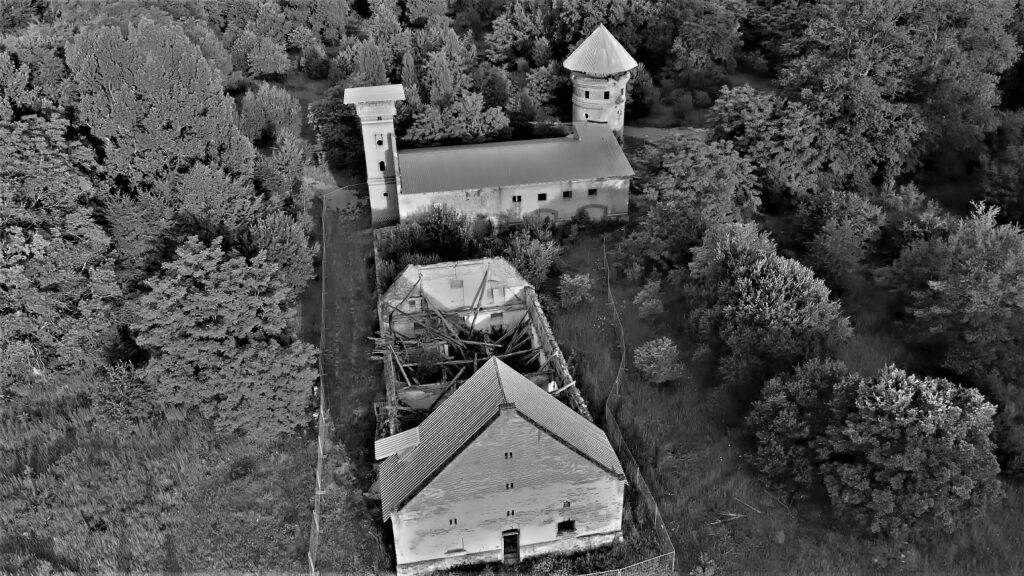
[{"x": 487, "y": 450}]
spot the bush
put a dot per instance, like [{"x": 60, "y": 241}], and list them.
[
  {"x": 658, "y": 360},
  {"x": 898, "y": 454},
  {"x": 531, "y": 257},
  {"x": 268, "y": 112},
  {"x": 649, "y": 300},
  {"x": 575, "y": 289}
]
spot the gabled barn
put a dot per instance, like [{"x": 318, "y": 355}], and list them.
[{"x": 500, "y": 471}]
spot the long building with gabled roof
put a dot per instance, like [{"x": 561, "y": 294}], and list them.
[{"x": 502, "y": 182}]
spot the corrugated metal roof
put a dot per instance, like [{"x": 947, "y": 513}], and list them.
[
  {"x": 592, "y": 152},
  {"x": 394, "y": 444},
  {"x": 387, "y": 93},
  {"x": 468, "y": 411},
  {"x": 411, "y": 280},
  {"x": 600, "y": 55}
]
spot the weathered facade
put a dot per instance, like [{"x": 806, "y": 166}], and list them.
[
  {"x": 499, "y": 472},
  {"x": 504, "y": 181}
]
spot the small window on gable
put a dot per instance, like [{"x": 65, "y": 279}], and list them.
[
  {"x": 413, "y": 304},
  {"x": 517, "y": 199},
  {"x": 498, "y": 293},
  {"x": 542, "y": 197},
  {"x": 508, "y": 455},
  {"x": 455, "y": 283},
  {"x": 510, "y": 485},
  {"x": 591, "y": 191},
  {"x": 607, "y": 95},
  {"x": 381, "y": 164},
  {"x": 566, "y": 504},
  {"x": 453, "y": 521},
  {"x": 566, "y": 527},
  {"x": 567, "y": 194}
]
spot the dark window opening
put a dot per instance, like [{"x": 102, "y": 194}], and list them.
[
  {"x": 380, "y": 117},
  {"x": 587, "y": 116},
  {"x": 508, "y": 455},
  {"x": 566, "y": 504},
  {"x": 510, "y": 512},
  {"x": 607, "y": 95},
  {"x": 381, "y": 164},
  {"x": 517, "y": 199},
  {"x": 586, "y": 94},
  {"x": 510, "y": 485},
  {"x": 567, "y": 194},
  {"x": 453, "y": 521},
  {"x": 542, "y": 197},
  {"x": 385, "y": 194},
  {"x": 591, "y": 191},
  {"x": 566, "y": 527}
]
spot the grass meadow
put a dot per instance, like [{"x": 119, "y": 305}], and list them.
[{"x": 717, "y": 511}]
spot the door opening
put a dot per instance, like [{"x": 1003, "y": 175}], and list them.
[{"x": 510, "y": 543}]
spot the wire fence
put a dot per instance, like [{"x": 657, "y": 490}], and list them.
[
  {"x": 651, "y": 519},
  {"x": 316, "y": 529}
]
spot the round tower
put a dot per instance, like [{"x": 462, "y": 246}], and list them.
[{"x": 599, "y": 69}]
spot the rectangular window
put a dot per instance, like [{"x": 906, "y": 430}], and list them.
[
  {"x": 497, "y": 318},
  {"x": 508, "y": 455},
  {"x": 586, "y": 94},
  {"x": 510, "y": 512},
  {"x": 385, "y": 194},
  {"x": 517, "y": 199},
  {"x": 566, "y": 527},
  {"x": 542, "y": 197},
  {"x": 591, "y": 191},
  {"x": 607, "y": 95},
  {"x": 498, "y": 293},
  {"x": 509, "y": 485},
  {"x": 566, "y": 504},
  {"x": 381, "y": 165},
  {"x": 455, "y": 283},
  {"x": 567, "y": 194},
  {"x": 453, "y": 521},
  {"x": 414, "y": 304}
]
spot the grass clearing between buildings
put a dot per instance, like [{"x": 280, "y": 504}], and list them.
[{"x": 710, "y": 498}]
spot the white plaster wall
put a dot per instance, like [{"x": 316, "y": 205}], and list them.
[
  {"x": 472, "y": 489},
  {"x": 595, "y": 108},
  {"x": 376, "y": 122},
  {"x": 612, "y": 199}
]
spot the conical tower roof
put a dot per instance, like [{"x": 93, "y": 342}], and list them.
[{"x": 600, "y": 55}]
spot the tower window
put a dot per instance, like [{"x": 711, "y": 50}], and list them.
[
  {"x": 591, "y": 191},
  {"x": 566, "y": 527},
  {"x": 607, "y": 94},
  {"x": 542, "y": 196},
  {"x": 380, "y": 140},
  {"x": 517, "y": 199},
  {"x": 567, "y": 194},
  {"x": 385, "y": 194},
  {"x": 453, "y": 521},
  {"x": 587, "y": 116},
  {"x": 586, "y": 94},
  {"x": 381, "y": 164}
]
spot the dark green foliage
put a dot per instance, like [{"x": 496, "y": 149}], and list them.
[
  {"x": 898, "y": 454},
  {"x": 337, "y": 128},
  {"x": 218, "y": 332},
  {"x": 790, "y": 419},
  {"x": 467, "y": 120},
  {"x": 1002, "y": 162},
  {"x": 533, "y": 258},
  {"x": 708, "y": 36},
  {"x": 418, "y": 11},
  {"x": 269, "y": 111},
  {"x": 267, "y": 59},
  {"x": 286, "y": 243},
  {"x": 845, "y": 228},
  {"x": 696, "y": 185},
  {"x": 761, "y": 312},
  {"x": 964, "y": 296},
  {"x": 155, "y": 102},
  {"x": 58, "y": 284}
]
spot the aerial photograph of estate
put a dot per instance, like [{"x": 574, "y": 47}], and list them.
[{"x": 512, "y": 287}]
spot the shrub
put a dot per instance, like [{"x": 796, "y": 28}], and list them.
[
  {"x": 267, "y": 58},
  {"x": 649, "y": 300},
  {"x": 531, "y": 257},
  {"x": 658, "y": 360},
  {"x": 268, "y": 112},
  {"x": 897, "y": 454},
  {"x": 574, "y": 289}
]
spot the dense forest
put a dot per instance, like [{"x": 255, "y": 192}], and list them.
[{"x": 157, "y": 235}]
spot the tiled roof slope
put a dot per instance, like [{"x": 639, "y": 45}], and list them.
[
  {"x": 592, "y": 152},
  {"x": 600, "y": 55},
  {"x": 471, "y": 408},
  {"x": 408, "y": 282}
]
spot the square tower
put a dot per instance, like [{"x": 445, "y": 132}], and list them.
[{"x": 375, "y": 106}]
